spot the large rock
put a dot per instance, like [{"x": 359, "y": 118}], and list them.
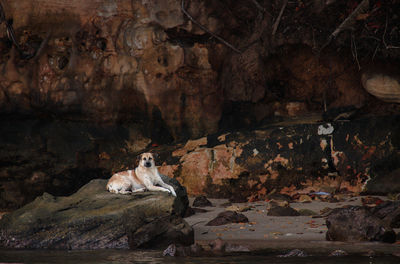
[
  {"x": 389, "y": 212},
  {"x": 93, "y": 218},
  {"x": 356, "y": 224}
]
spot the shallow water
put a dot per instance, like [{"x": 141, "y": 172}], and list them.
[{"x": 127, "y": 256}]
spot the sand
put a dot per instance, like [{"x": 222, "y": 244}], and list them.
[{"x": 277, "y": 233}]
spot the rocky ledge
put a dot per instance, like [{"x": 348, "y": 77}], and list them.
[{"x": 93, "y": 218}]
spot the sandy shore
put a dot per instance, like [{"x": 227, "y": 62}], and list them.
[{"x": 272, "y": 233}]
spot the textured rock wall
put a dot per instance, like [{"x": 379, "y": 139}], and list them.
[
  {"x": 93, "y": 83},
  {"x": 357, "y": 156},
  {"x": 145, "y": 62}
]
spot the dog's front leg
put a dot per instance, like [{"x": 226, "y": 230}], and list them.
[
  {"x": 169, "y": 187},
  {"x": 149, "y": 186}
]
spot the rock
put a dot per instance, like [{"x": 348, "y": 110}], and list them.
[
  {"x": 294, "y": 253},
  {"x": 305, "y": 199},
  {"x": 94, "y": 218},
  {"x": 388, "y": 181},
  {"x": 389, "y": 212},
  {"x": 182, "y": 200},
  {"x": 228, "y": 217},
  {"x": 238, "y": 208},
  {"x": 170, "y": 251},
  {"x": 307, "y": 212},
  {"x": 217, "y": 245},
  {"x": 325, "y": 211},
  {"x": 158, "y": 232},
  {"x": 371, "y": 201},
  {"x": 279, "y": 197},
  {"x": 383, "y": 85},
  {"x": 356, "y": 224},
  {"x": 282, "y": 211},
  {"x": 274, "y": 203},
  {"x": 338, "y": 253},
  {"x": 194, "y": 250},
  {"x": 201, "y": 201}
]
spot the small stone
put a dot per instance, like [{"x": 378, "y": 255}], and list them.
[
  {"x": 201, "y": 201},
  {"x": 228, "y": 217},
  {"x": 217, "y": 245},
  {"x": 274, "y": 203},
  {"x": 279, "y": 197},
  {"x": 338, "y": 253},
  {"x": 282, "y": 211},
  {"x": 294, "y": 253},
  {"x": 170, "y": 251},
  {"x": 234, "y": 208},
  {"x": 305, "y": 199}
]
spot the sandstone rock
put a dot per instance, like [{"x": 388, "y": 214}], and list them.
[
  {"x": 355, "y": 224},
  {"x": 201, "y": 201},
  {"x": 282, "y": 211},
  {"x": 93, "y": 218},
  {"x": 228, "y": 217}
]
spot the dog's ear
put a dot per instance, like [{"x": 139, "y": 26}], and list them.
[
  {"x": 138, "y": 158},
  {"x": 155, "y": 156}
]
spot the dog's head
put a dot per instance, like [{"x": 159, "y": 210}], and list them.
[{"x": 146, "y": 160}]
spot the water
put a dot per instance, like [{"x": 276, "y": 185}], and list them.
[{"x": 127, "y": 256}]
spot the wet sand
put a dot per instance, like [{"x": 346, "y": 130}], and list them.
[{"x": 277, "y": 233}]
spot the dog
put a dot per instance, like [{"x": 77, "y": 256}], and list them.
[{"x": 144, "y": 177}]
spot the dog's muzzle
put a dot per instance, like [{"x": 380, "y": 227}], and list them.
[{"x": 147, "y": 164}]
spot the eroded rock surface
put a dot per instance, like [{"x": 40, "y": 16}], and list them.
[
  {"x": 289, "y": 158},
  {"x": 356, "y": 224},
  {"x": 93, "y": 218}
]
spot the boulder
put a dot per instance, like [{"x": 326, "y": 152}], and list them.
[
  {"x": 282, "y": 211},
  {"x": 356, "y": 224},
  {"x": 228, "y": 217},
  {"x": 94, "y": 218},
  {"x": 389, "y": 212},
  {"x": 201, "y": 201}
]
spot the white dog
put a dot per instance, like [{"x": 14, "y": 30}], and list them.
[{"x": 145, "y": 176}]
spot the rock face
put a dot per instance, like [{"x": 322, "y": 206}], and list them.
[
  {"x": 93, "y": 218},
  {"x": 84, "y": 90},
  {"x": 355, "y": 224},
  {"x": 356, "y": 156}
]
